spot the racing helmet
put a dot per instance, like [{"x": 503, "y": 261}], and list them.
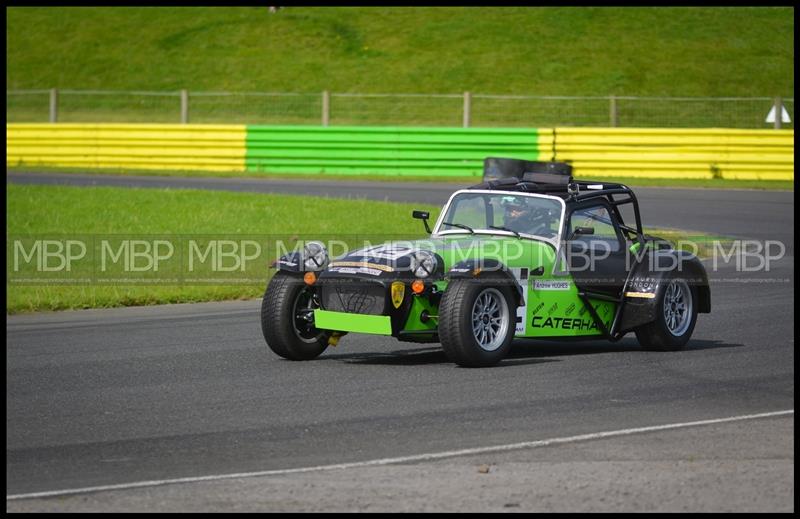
[{"x": 524, "y": 215}]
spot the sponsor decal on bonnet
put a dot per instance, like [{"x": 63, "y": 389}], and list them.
[
  {"x": 362, "y": 264},
  {"x": 360, "y": 270}
]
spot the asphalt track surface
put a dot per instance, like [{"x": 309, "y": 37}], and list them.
[{"x": 106, "y": 397}]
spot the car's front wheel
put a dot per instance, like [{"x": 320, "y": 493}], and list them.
[
  {"x": 287, "y": 319},
  {"x": 476, "y": 322},
  {"x": 676, "y": 316}
]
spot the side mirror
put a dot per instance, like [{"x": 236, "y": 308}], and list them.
[
  {"x": 422, "y": 215},
  {"x": 581, "y": 230}
]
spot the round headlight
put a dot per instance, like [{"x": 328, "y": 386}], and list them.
[
  {"x": 315, "y": 256},
  {"x": 423, "y": 264}
]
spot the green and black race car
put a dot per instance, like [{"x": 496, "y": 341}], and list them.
[{"x": 528, "y": 253}]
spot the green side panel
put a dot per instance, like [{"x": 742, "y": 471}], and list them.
[
  {"x": 344, "y": 322},
  {"x": 418, "y": 304},
  {"x": 552, "y": 306},
  {"x": 554, "y": 309},
  {"x": 357, "y": 150}
]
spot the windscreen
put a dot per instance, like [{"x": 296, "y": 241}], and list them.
[{"x": 526, "y": 215}]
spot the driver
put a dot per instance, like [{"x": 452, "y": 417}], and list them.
[{"x": 523, "y": 217}]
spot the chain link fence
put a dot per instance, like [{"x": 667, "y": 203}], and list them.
[{"x": 327, "y": 108}]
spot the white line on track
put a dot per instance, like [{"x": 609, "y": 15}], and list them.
[{"x": 404, "y": 459}]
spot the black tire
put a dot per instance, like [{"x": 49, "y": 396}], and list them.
[
  {"x": 459, "y": 342},
  {"x": 284, "y": 335},
  {"x": 658, "y": 335}
]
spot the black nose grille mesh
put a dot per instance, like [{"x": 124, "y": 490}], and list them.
[{"x": 354, "y": 297}]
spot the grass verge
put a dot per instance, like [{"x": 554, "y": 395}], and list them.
[{"x": 116, "y": 213}]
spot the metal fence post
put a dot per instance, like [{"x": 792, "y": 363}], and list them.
[
  {"x": 467, "y": 109},
  {"x": 53, "y": 105},
  {"x": 612, "y": 101},
  {"x": 184, "y": 106},
  {"x": 778, "y": 112},
  {"x": 326, "y": 108}
]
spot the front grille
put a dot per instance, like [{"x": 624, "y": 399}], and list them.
[{"x": 355, "y": 297}]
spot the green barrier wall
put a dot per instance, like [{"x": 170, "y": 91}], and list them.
[{"x": 387, "y": 150}]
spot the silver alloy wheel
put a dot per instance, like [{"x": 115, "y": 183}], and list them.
[
  {"x": 490, "y": 319},
  {"x": 677, "y": 307}
]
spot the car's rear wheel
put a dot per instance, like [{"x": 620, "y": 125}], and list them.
[
  {"x": 476, "y": 322},
  {"x": 287, "y": 319},
  {"x": 676, "y": 316}
]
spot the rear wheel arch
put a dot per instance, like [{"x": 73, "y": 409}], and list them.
[
  {"x": 676, "y": 307},
  {"x": 651, "y": 274},
  {"x": 689, "y": 267}
]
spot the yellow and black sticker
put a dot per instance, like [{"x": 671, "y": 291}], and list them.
[
  {"x": 398, "y": 291},
  {"x": 643, "y": 295}
]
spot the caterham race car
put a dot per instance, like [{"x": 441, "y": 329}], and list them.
[{"x": 527, "y": 253}]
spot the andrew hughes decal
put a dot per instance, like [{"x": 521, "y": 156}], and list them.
[{"x": 551, "y": 285}]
